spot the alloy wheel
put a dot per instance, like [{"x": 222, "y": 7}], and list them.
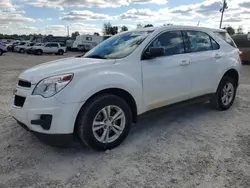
[{"x": 109, "y": 124}]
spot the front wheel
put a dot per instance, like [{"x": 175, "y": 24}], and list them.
[
  {"x": 104, "y": 122},
  {"x": 1, "y": 52},
  {"x": 225, "y": 95}
]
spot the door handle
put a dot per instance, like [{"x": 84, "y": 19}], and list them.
[
  {"x": 218, "y": 56},
  {"x": 185, "y": 63}
]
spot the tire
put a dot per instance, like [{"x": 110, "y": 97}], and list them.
[
  {"x": 21, "y": 51},
  {"x": 39, "y": 52},
  {"x": 217, "y": 101},
  {"x": 92, "y": 111},
  {"x": 1, "y": 52},
  {"x": 60, "y": 52}
]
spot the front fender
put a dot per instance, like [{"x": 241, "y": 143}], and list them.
[{"x": 86, "y": 86}]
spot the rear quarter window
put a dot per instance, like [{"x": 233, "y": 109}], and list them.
[{"x": 226, "y": 37}]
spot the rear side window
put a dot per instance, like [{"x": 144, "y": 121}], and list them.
[
  {"x": 226, "y": 37},
  {"x": 199, "y": 41},
  {"x": 215, "y": 45}
]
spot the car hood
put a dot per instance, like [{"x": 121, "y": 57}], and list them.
[{"x": 62, "y": 66}]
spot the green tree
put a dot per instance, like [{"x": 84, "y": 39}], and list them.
[
  {"x": 240, "y": 30},
  {"x": 124, "y": 28},
  {"x": 96, "y": 33},
  {"x": 108, "y": 29},
  {"x": 75, "y": 34},
  {"x": 148, "y": 25},
  {"x": 230, "y": 30},
  {"x": 138, "y": 26}
]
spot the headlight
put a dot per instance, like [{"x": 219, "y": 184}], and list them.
[{"x": 52, "y": 85}]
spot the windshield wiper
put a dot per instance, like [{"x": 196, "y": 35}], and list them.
[{"x": 96, "y": 57}]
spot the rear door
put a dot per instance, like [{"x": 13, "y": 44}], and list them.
[{"x": 205, "y": 56}]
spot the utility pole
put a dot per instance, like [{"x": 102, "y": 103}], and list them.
[
  {"x": 68, "y": 30},
  {"x": 222, "y": 10}
]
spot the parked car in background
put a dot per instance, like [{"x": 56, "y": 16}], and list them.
[
  {"x": 69, "y": 44},
  {"x": 3, "y": 48},
  {"x": 243, "y": 44},
  {"x": 11, "y": 46},
  {"x": 97, "y": 96},
  {"x": 22, "y": 46},
  {"x": 50, "y": 48},
  {"x": 87, "y": 42},
  {"x": 30, "y": 49}
]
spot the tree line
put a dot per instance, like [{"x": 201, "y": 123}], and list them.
[
  {"x": 232, "y": 31},
  {"x": 109, "y": 29}
]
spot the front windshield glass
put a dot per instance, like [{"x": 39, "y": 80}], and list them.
[{"x": 118, "y": 46}]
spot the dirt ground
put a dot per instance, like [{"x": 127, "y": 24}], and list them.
[{"x": 189, "y": 147}]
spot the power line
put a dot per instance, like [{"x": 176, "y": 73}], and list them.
[{"x": 222, "y": 10}]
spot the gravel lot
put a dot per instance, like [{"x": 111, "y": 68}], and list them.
[{"x": 189, "y": 147}]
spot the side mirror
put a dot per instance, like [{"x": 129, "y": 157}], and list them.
[{"x": 154, "y": 52}]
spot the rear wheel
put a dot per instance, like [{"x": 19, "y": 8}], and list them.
[
  {"x": 21, "y": 51},
  {"x": 225, "y": 95},
  {"x": 104, "y": 122},
  {"x": 60, "y": 52},
  {"x": 1, "y": 52},
  {"x": 39, "y": 52}
]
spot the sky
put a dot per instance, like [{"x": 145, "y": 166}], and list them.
[{"x": 88, "y": 16}]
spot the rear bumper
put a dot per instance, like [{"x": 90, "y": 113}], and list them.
[{"x": 50, "y": 139}]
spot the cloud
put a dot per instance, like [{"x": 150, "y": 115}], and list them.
[
  {"x": 84, "y": 15},
  {"x": 9, "y": 14},
  {"x": 137, "y": 14},
  {"x": 6, "y": 5},
  {"x": 245, "y": 4},
  {"x": 61, "y": 4}
]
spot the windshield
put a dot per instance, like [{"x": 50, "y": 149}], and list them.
[{"x": 118, "y": 46}]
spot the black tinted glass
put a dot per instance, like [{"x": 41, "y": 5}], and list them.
[
  {"x": 172, "y": 42},
  {"x": 199, "y": 41}
]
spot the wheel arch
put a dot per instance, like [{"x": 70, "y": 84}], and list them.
[
  {"x": 120, "y": 93},
  {"x": 232, "y": 73}
]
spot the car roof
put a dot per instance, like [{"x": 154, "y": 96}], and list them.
[{"x": 181, "y": 27}]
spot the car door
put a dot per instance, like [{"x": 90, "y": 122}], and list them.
[
  {"x": 166, "y": 79},
  {"x": 54, "y": 48},
  {"x": 47, "y": 48},
  {"x": 205, "y": 57}
]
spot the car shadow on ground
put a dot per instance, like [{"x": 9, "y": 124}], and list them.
[{"x": 152, "y": 122}]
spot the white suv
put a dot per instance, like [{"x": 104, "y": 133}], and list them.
[
  {"x": 50, "y": 48},
  {"x": 97, "y": 96}
]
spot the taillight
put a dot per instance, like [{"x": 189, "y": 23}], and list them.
[{"x": 241, "y": 55}]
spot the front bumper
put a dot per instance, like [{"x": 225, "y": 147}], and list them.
[
  {"x": 34, "y": 107},
  {"x": 50, "y": 139}
]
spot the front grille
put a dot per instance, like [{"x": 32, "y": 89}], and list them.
[
  {"x": 23, "y": 83},
  {"x": 19, "y": 101}
]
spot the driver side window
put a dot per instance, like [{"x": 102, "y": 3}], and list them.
[{"x": 171, "y": 41}]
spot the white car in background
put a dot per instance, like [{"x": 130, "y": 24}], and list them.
[
  {"x": 30, "y": 49},
  {"x": 21, "y": 48},
  {"x": 99, "y": 95},
  {"x": 50, "y": 48}
]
